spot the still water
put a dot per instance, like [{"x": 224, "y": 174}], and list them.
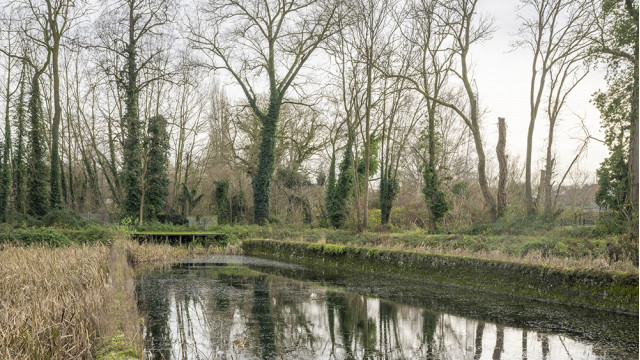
[{"x": 237, "y": 307}]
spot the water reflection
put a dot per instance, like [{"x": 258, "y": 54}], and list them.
[{"x": 227, "y": 311}]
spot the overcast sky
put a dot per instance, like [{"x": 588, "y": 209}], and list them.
[
  {"x": 503, "y": 75},
  {"x": 503, "y": 78}
]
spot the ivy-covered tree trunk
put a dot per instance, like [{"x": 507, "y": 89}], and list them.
[
  {"x": 264, "y": 174},
  {"x": 157, "y": 178},
  {"x": 55, "y": 194},
  {"x": 344, "y": 188},
  {"x": 5, "y": 173},
  {"x": 131, "y": 150},
  {"x": 221, "y": 199},
  {"x": 331, "y": 188},
  {"x": 19, "y": 171},
  {"x": 388, "y": 191},
  {"x": 633, "y": 146},
  {"x": 435, "y": 198},
  {"x": 37, "y": 171}
]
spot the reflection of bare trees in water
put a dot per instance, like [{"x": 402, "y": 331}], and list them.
[
  {"x": 261, "y": 312},
  {"x": 153, "y": 300},
  {"x": 243, "y": 314},
  {"x": 478, "y": 347}
]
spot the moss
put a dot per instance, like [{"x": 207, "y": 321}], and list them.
[
  {"x": 330, "y": 249},
  {"x": 314, "y": 247},
  {"x": 607, "y": 290},
  {"x": 118, "y": 348}
]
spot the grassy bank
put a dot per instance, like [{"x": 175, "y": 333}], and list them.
[
  {"x": 559, "y": 247},
  {"x": 607, "y": 290},
  {"x": 525, "y": 241}
]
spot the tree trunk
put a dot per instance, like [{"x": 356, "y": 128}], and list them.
[
  {"x": 131, "y": 149},
  {"x": 540, "y": 195},
  {"x": 633, "y": 154},
  {"x": 547, "y": 186},
  {"x": 482, "y": 176},
  {"x": 266, "y": 159},
  {"x": 55, "y": 199},
  {"x": 502, "y": 164}
]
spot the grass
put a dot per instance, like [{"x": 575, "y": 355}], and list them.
[
  {"x": 66, "y": 302},
  {"x": 524, "y": 241}
]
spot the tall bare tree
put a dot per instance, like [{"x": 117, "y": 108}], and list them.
[
  {"x": 556, "y": 33},
  {"x": 268, "y": 41},
  {"x": 128, "y": 28},
  {"x": 465, "y": 27},
  {"x": 55, "y": 18}
]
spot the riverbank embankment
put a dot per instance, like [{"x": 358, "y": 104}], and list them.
[{"x": 602, "y": 290}]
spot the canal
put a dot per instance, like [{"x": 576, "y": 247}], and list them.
[{"x": 239, "y": 307}]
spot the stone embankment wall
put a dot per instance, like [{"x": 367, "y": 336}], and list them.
[{"x": 603, "y": 290}]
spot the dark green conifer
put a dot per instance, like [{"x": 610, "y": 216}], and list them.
[
  {"x": 344, "y": 189},
  {"x": 157, "y": 179},
  {"x": 331, "y": 188},
  {"x": 221, "y": 198},
  {"x": 37, "y": 170}
]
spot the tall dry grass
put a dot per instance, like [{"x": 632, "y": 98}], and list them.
[{"x": 66, "y": 303}]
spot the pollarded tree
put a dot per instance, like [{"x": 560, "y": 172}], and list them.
[
  {"x": 269, "y": 41},
  {"x": 156, "y": 175}
]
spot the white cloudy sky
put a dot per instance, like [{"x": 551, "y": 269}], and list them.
[{"x": 503, "y": 79}]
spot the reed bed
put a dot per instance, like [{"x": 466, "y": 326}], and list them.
[{"x": 67, "y": 303}]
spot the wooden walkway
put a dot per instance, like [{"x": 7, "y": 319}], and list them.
[{"x": 205, "y": 238}]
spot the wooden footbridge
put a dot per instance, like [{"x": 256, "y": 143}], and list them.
[{"x": 179, "y": 238}]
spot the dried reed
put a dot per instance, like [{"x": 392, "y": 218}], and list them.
[{"x": 65, "y": 303}]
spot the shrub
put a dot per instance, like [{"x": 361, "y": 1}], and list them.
[
  {"x": 93, "y": 234},
  {"x": 32, "y": 236},
  {"x": 63, "y": 218}
]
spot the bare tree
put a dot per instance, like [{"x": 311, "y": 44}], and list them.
[
  {"x": 55, "y": 18},
  {"x": 557, "y": 35},
  {"x": 428, "y": 69},
  {"x": 461, "y": 23},
  {"x": 127, "y": 29},
  {"x": 274, "y": 39}
]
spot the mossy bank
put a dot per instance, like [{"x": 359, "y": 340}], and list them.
[{"x": 603, "y": 290}]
